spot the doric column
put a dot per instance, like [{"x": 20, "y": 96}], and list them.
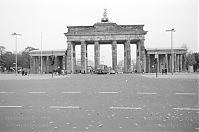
[
  {"x": 114, "y": 55},
  {"x": 37, "y": 69},
  {"x": 47, "y": 64},
  {"x": 184, "y": 64},
  {"x": 66, "y": 61},
  {"x": 69, "y": 57},
  {"x": 180, "y": 63},
  {"x": 145, "y": 56},
  {"x": 31, "y": 64},
  {"x": 127, "y": 57},
  {"x": 34, "y": 64},
  {"x": 44, "y": 64},
  {"x": 149, "y": 63},
  {"x": 73, "y": 59},
  {"x": 83, "y": 57},
  {"x": 97, "y": 54},
  {"x": 158, "y": 63},
  {"x": 38, "y": 64},
  {"x": 174, "y": 62},
  {"x": 142, "y": 56},
  {"x": 170, "y": 70},
  {"x": 63, "y": 62},
  {"x": 86, "y": 59},
  {"x": 177, "y": 62},
  {"x": 138, "y": 52},
  {"x": 166, "y": 62},
  {"x": 55, "y": 66}
]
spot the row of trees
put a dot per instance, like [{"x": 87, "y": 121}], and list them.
[
  {"x": 7, "y": 58},
  {"x": 192, "y": 59}
]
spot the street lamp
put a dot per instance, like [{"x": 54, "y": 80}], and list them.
[
  {"x": 15, "y": 34},
  {"x": 52, "y": 62},
  {"x": 172, "y": 59},
  {"x": 156, "y": 63},
  {"x": 41, "y": 56}
]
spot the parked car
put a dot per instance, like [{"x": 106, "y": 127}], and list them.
[
  {"x": 103, "y": 69},
  {"x": 112, "y": 72}
]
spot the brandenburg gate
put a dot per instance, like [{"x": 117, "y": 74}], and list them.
[{"x": 106, "y": 32}]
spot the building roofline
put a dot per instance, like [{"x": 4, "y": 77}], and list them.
[{"x": 166, "y": 48}]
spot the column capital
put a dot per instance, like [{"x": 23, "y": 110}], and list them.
[
  {"x": 128, "y": 41},
  {"x": 96, "y": 42},
  {"x": 69, "y": 42},
  {"x": 114, "y": 42},
  {"x": 83, "y": 42}
]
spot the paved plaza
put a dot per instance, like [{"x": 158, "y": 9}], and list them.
[{"x": 121, "y": 102}]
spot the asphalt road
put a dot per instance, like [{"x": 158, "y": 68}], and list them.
[{"x": 123, "y": 102}]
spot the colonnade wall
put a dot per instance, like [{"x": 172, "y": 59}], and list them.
[
  {"x": 164, "y": 60},
  {"x": 60, "y": 59},
  {"x": 46, "y": 63}
]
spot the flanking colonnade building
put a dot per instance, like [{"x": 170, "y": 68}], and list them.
[
  {"x": 112, "y": 34},
  {"x": 60, "y": 61}
]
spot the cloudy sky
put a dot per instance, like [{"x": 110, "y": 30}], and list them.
[{"x": 51, "y": 17}]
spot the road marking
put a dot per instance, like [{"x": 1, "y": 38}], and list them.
[
  {"x": 126, "y": 108},
  {"x": 185, "y": 93},
  {"x": 108, "y": 92},
  {"x": 6, "y": 92},
  {"x": 37, "y": 92},
  {"x": 146, "y": 93},
  {"x": 64, "y": 107},
  {"x": 73, "y": 92},
  {"x": 11, "y": 106},
  {"x": 186, "y": 109}
]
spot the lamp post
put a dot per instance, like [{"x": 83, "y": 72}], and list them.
[
  {"x": 15, "y": 34},
  {"x": 172, "y": 59},
  {"x": 156, "y": 63},
  {"x": 52, "y": 63},
  {"x": 41, "y": 56}
]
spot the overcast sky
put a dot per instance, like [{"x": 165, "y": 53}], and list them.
[{"x": 51, "y": 17}]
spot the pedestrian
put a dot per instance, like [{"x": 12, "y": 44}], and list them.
[{"x": 22, "y": 72}]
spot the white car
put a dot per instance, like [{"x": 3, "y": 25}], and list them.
[{"x": 112, "y": 72}]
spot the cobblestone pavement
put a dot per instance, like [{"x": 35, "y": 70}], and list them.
[
  {"x": 174, "y": 76},
  {"x": 123, "y": 102},
  {"x": 29, "y": 76}
]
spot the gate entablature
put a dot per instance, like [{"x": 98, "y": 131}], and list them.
[{"x": 105, "y": 31}]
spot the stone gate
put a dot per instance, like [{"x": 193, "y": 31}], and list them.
[{"x": 106, "y": 33}]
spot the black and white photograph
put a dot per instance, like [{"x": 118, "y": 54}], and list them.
[{"x": 99, "y": 65}]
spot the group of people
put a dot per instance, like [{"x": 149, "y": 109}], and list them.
[
  {"x": 23, "y": 72},
  {"x": 59, "y": 71}
]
